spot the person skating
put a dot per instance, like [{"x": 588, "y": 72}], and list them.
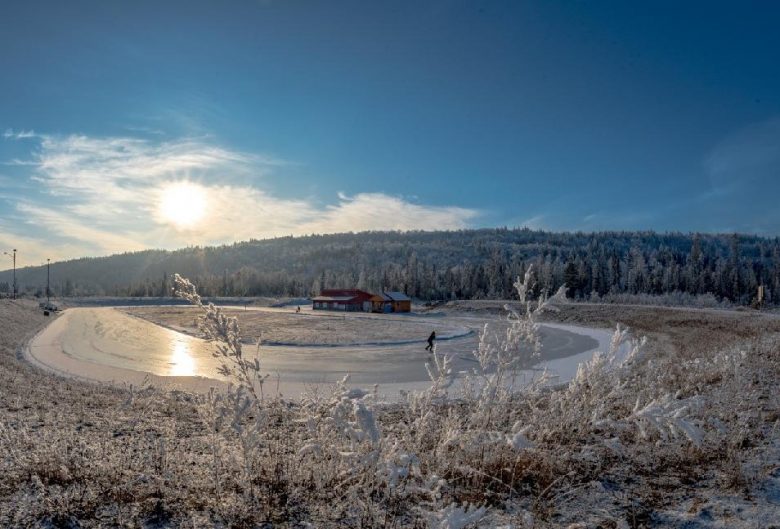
[{"x": 431, "y": 338}]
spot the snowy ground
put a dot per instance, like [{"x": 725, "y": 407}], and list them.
[
  {"x": 108, "y": 345},
  {"x": 80, "y": 454},
  {"x": 283, "y": 326}
]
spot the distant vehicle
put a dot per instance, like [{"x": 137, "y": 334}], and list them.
[{"x": 48, "y": 306}]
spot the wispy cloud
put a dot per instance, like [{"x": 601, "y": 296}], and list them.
[
  {"x": 746, "y": 156},
  {"x": 378, "y": 211},
  {"x": 10, "y": 134},
  {"x": 16, "y": 162},
  {"x": 32, "y": 250},
  {"x": 735, "y": 192},
  {"x": 743, "y": 170},
  {"x": 103, "y": 195},
  {"x": 79, "y": 229}
]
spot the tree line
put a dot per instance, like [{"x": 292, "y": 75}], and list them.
[{"x": 466, "y": 264}]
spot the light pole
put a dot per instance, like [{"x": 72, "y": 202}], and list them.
[
  {"x": 48, "y": 262},
  {"x": 14, "y": 257}
]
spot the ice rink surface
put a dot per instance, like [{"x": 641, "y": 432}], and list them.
[{"x": 107, "y": 345}]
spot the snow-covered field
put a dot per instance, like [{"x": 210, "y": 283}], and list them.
[
  {"x": 108, "y": 345},
  {"x": 283, "y": 326},
  {"x": 684, "y": 434}
]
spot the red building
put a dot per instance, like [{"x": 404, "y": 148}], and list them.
[{"x": 350, "y": 300}]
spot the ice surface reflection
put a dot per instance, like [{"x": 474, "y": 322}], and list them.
[
  {"x": 182, "y": 363},
  {"x": 106, "y": 344}
]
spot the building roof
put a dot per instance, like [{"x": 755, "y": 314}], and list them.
[
  {"x": 333, "y": 298},
  {"x": 395, "y": 296},
  {"x": 343, "y": 292},
  {"x": 344, "y": 295}
]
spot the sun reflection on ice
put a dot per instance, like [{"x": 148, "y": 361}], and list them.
[{"x": 182, "y": 363}]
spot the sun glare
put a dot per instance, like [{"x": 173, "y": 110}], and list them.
[
  {"x": 183, "y": 204},
  {"x": 182, "y": 363}
]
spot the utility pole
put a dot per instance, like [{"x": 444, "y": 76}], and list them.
[
  {"x": 48, "y": 263},
  {"x": 14, "y": 257}
]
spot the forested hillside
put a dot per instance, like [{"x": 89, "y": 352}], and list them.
[{"x": 471, "y": 264}]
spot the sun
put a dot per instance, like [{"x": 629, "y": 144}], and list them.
[{"x": 183, "y": 204}]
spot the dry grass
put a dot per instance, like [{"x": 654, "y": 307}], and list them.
[{"x": 688, "y": 331}]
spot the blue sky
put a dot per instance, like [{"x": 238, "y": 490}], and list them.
[{"x": 292, "y": 117}]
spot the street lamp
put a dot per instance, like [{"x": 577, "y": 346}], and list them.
[
  {"x": 14, "y": 257},
  {"x": 48, "y": 262}
]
